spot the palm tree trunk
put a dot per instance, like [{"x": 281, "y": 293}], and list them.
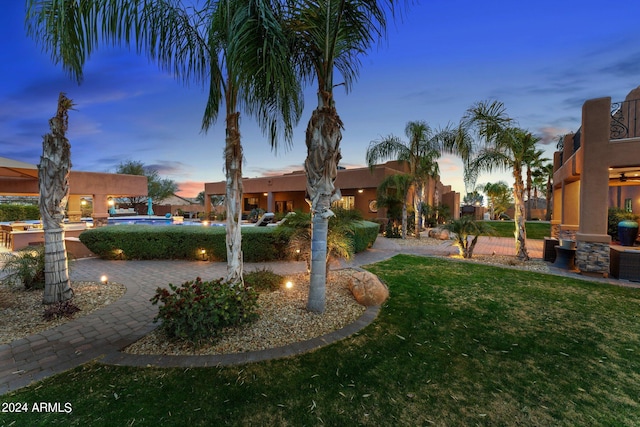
[
  {"x": 53, "y": 182},
  {"x": 520, "y": 232},
  {"x": 548, "y": 194},
  {"x": 404, "y": 219},
  {"x": 323, "y": 136},
  {"x": 528, "y": 194},
  {"x": 233, "y": 199},
  {"x": 418, "y": 197}
]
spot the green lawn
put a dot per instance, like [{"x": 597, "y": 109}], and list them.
[
  {"x": 535, "y": 229},
  {"x": 457, "y": 344}
]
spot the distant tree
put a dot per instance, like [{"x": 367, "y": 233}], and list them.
[
  {"x": 215, "y": 199},
  {"x": 500, "y": 198},
  {"x": 473, "y": 198},
  {"x": 534, "y": 161},
  {"x": 157, "y": 188}
]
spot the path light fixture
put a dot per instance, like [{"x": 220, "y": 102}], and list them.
[
  {"x": 203, "y": 254},
  {"x": 289, "y": 284},
  {"x": 104, "y": 279}
]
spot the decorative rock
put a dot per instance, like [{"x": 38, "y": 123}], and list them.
[
  {"x": 367, "y": 288},
  {"x": 439, "y": 233}
]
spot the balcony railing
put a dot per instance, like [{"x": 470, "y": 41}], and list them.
[{"x": 624, "y": 119}]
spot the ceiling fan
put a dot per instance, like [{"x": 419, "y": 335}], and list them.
[{"x": 625, "y": 178}]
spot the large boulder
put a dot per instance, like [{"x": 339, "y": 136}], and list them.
[
  {"x": 440, "y": 233},
  {"x": 367, "y": 289}
]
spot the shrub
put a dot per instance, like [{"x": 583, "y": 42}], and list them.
[
  {"x": 263, "y": 280},
  {"x": 26, "y": 268},
  {"x": 196, "y": 311},
  {"x": 615, "y": 215},
  {"x": 60, "y": 309},
  {"x": 19, "y": 212}
]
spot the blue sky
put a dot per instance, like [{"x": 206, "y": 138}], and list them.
[{"x": 542, "y": 58}]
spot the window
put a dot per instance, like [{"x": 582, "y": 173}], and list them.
[
  {"x": 250, "y": 203},
  {"x": 346, "y": 202},
  {"x": 627, "y": 205},
  {"x": 284, "y": 206}
]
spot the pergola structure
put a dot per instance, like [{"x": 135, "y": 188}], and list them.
[{"x": 21, "y": 179}]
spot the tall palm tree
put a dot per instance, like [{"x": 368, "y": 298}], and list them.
[
  {"x": 330, "y": 36},
  {"x": 53, "y": 184},
  {"x": 534, "y": 160},
  {"x": 460, "y": 141},
  {"x": 505, "y": 147},
  {"x": 420, "y": 153},
  {"x": 547, "y": 170},
  {"x": 235, "y": 49}
]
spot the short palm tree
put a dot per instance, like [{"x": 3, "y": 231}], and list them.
[
  {"x": 467, "y": 230},
  {"x": 420, "y": 153},
  {"x": 330, "y": 36},
  {"x": 401, "y": 183},
  {"x": 505, "y": 147},
  {"x": 235, "y": 49}
]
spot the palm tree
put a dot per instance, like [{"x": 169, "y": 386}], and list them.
[
  {"x": 466, "y": 228},
  {"x": 330, "y": 36},
  {"x": 506, "y": 147},
  {"x": 499, "y": 197},
  {"x": 548, "y": 170},
  {"x": 459, "y": 141},
  {"x": 53, "y": 183},
  {"x": 534, "y": 160},
  {"x": 420, "y": 152},
  {"x": 235, "y": 49},
  {"x": 401, "y": 183}
]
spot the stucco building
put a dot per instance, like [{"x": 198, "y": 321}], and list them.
[
  {"x": 598, "y": 167},
  {"x": 358, "y": 187}
]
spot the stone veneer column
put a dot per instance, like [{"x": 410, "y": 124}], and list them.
[
  {"x": 74, "y": 209},
  {"x": 592, "y": 254},
  {"x": 100, "y": 210}
]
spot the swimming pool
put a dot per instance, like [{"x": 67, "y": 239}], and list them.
[{"x": 158, "y": 220}]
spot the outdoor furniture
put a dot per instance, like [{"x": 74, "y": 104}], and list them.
[
  {"x": 548, "y": 250},
  {"x": 565, "y": 258},
  {"x": 625, "y": 262}
]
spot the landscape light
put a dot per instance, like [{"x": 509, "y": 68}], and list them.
[
  {"x": 103, "y": 279},
  {"x": 289, "y": 284}
]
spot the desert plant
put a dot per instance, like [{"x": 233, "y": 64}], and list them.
[
  {"x": 26, "y": 268},
  {"x": 615, "y": 215},
  {"x": 465, "y": 228},
  {"x": 196, "y": 311},
  {"x": 263, "y": 280},
  {"x": 60, "y": 309},
  {"x": 340, "y": 242}
]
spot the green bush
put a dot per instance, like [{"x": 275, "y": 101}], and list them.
[
  {"x": 615, "y": 215},
  {"x": 181, "y": 242},
  {"x": 263, "y": 280},
  {"x": 26, "y": 268},
  {"x": 364, "y": 235},
  {"x": 19, "y": 212},
  {"x": 196, "y": 311}
]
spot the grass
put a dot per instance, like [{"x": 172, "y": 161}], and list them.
[
  {"x": 456, "y": 344},
  {"x": 535, "y": 229}
]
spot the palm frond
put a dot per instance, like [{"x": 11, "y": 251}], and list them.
[{"x": 386, "y": 148}]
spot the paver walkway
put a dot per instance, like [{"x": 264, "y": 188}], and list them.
[{"x": 104, "y": 332}]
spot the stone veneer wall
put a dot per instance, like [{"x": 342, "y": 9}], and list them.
[
  {"x": 567, "y": 234},
  {"x": 593, "y": 257},
  {"x": 555, "y": 230}
]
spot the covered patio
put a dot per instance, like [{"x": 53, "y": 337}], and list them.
[
  {"x": 21, "y": 179},
  {"x": 598, "y": 168}
]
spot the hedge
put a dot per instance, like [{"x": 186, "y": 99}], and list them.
[
  {"x": 259, "y": 244},
  {"x": 19, "y": 212}
]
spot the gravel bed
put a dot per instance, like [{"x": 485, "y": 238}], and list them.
[
  {"x": 21, "y": 311},
  {"x": 283, "y": 319}
]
